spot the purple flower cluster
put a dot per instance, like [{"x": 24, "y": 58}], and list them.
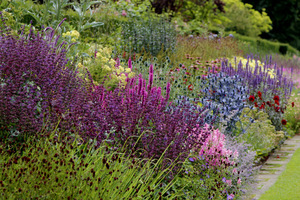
[
  {"x": 260, "y": 79},
  {"x": 38, "y": 87},
  {"x": 141, "y": 110}
]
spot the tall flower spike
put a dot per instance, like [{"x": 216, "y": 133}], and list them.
[
  {"x": 150, "y": 77},
  {"x": 130, "y": 63},
  {"x": 168, "y": 92}
]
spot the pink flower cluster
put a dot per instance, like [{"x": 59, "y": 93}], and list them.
[{"x": 213, "y": 150}]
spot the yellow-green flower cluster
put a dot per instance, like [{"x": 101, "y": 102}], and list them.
[
  {"x": 103, "y": 59},
  {"x": 74, "y": 35},
  {"x": 252, "y": 64}
]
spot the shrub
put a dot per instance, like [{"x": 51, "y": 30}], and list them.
[{"x": 243, "y": 19}]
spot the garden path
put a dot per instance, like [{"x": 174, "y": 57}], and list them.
[{"x": 273, "y": 167}]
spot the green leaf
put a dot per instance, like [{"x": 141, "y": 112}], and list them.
[{"x": 89, "y": 25}]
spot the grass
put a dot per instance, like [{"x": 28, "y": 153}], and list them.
[{"x": 287, "y": 185}]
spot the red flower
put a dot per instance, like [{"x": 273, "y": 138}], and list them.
[
  {"x": 191, "y": 87},
  {"x": 259, "y": 94},
  {"x": 283, "y": 121},
  {"x": 262, "y": 106},
  {"x": 251, "y": 98},
  {"x": 276, "y": 98},
  {"x": 277, "y": 102},
  {"x": 256, "y": 104},
  {"x": 293, "y": 104}
]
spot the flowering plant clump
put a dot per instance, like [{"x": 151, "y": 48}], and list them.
[
  {"x": 274, "y": 91},
  {"x": 269, "y": 78},
  {"x": 214, "y": 151},
  {"x": 73, "y": 35},
  {"x": 55, "y": 167},
  {"x": 225, "y": 96},
  {"x": 251, "y": 64},
  {"x": 272, "y": 107},
  {"x": 211, "y": 170},
  {"x": 264, "y": 141},
  {"x": 140, "y": 111},
  {"x": 105, "y": 70},
  {"x": 36, "y": 81}
]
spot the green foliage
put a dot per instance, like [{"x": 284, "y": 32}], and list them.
[
  {"x": 262, "y": 46},
  {"x": 286, "y": 25},
  {"x": 243, "y": 19},
  {"x": 151, "y": 34},
  {"x": 261, "y": 134},
  {"x": 201, "y": 181},
  {"x": 4, "y": 4},
  {"x": 292, "y": 113},
  {"x": 199, "y": 14},
  {"x": 193, "y": 27},
  {"x": 132, "y": 9},
  {"x": 58, "y": 167},
  {"x": 81, "y": 9}
]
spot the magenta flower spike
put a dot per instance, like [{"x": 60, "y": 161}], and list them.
[
  {"x": 168, "y": 91},
  {"x": 130, "y": 63},
  {"x": 151, "y": 69}
]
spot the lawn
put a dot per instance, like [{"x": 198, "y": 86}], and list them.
[{"x": 287, "y": 184}]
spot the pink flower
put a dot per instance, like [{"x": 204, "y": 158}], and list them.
[
  {"x": 239, "y": 181},
  {"x": 234, "y": 170},
  {"x": 235, "y": 154},
  {"x": 124, "y": 13},
  {"x": 229, "y": 182}
]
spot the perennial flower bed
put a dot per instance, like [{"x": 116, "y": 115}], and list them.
[{"x": 132, "y": 127}]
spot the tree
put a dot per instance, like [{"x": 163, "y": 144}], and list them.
[{"x": 285, "y": 16}]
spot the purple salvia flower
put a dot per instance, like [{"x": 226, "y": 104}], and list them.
[{"x": 150, "y": 81}]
